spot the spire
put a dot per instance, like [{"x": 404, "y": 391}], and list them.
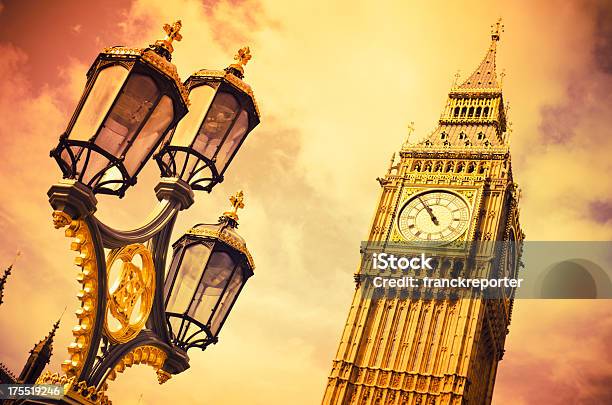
[
  {"x": 40, "y": 356},
  {"x": 7, "y": 273},
  {"x": 485, "y": 77}
]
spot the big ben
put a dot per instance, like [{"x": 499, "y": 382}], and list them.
[{"x": 455, "y": 187}]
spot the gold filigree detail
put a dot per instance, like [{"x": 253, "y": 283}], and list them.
[
  {"x": 77, "y": 391},
  {"x": 88, "y": 278},
  {"x": 154, "y": 60},
  {"x": 130, "y": 295},
  {"x": 149, "y": 355},
  {"x": 226, "y": 238},
  {"x": 237, "y": 202},
  {"x": 233, "y": 80},
  {"x": 242, "y": 57},
  {"x": 172, "y": 34},
  {"x": 61, "y": 219},
  {"x": 163, "y": 376}
]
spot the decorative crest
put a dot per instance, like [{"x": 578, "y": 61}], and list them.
[
  {"x": 237, "y": 202},
  {"x": 164, "y": 46},
  {"x": 497, "y": 29},
  {"x": 242, "y": 57}
]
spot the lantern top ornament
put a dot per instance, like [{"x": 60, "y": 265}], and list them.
[
  {"x": 242, "y": 57},
  {"x": 172, "y": 33},
  {"x": 157, "y": 55},
  {"x": 237, "y": 202},
  {"x": 225, "y": 229}
]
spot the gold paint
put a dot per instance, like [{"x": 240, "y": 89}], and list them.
[
  {"x": 149, "y": 355},
  {"x": 163, "y": 376},
  {"x": 88, "y": 278},
  {"x": 242, "y": 57},
  {"x": 226, "y": 238},
  {"x": 154, "y": 60},
  {"x": 76, "y": 391},
  {"x": 172, "y": 34},
  {"x": 237, "y": 202},
  {"x": 233, "y": 80},
  {"x": 135, "y": 285}
]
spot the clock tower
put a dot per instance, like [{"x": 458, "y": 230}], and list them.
[{"x": 455, "y": 187}]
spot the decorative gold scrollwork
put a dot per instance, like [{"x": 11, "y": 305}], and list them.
[
  {"x": 78, "y": 392},
  {"x": 130, "y": 292},
  {"x": 88, "y": 278},
  {"x": 149, "y": 355}
]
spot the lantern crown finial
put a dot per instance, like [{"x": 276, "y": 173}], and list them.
[
  {"x": 237, "y": 202},
  {"x": 242, "y": 57},
  {"x": 164, "y": 46}
]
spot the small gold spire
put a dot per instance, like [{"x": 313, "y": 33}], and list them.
[
  {"x": 497, "y": 29},
  {"x": 172, "y": 34},
  {"x": 237, "y": 202},
  {"x": 242, "y": 57}
]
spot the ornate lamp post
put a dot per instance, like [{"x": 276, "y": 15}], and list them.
[{"x": 129, "y": 313}]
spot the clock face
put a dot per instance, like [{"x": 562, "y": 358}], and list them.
[{"x": 434, "y": 216}]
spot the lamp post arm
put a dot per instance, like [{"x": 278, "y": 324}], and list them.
[
  {"x": 174, "y": 195},
  {"x": 164, "y": 213}
]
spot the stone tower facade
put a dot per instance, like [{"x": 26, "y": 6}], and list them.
[{"x": 455, "y": 186}]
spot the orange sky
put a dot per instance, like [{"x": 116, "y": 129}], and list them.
[{"x": 337, "y": 83}]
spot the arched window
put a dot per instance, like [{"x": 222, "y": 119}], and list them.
[
  {"x": 462, "y": 135},
  {"x": 471, "y": 112},
  {"x": 485, "y": 112},
  {"x": 481, "y": 168},
  {"x": 463, "y": 112},
  {"x": 449, "y": 167},
  {"x": 417, "y": 166},
  {"x": 428, "y": 166},
  {"x": 471, "y": 167},
  {"x": 481, "y": 136},
  {"x": 478, "y": 111},
  {"x": 459, "y": 167},
  {"x": 456, "y": 113},
  {"x": 443, "y": 135},
  {"x": 438, "y": 167}
]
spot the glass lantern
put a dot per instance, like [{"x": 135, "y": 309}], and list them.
[
  {"x": 209, "y": 268},
  {"x": 223, "y": 112},
  {"x": 131, "y": 99}
]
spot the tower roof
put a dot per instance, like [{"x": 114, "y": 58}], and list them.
[{"x": 485, "y": 76}]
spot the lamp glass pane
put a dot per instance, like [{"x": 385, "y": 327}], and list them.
[
  {"x": 172, "y": 270},
  {"x": 220, "y": 116},
  {"x": 228, "y": 299},
  {"x": 99, "y": 101},
  {"x": 151, "y": 133},
  {"x": 217, "y": 274},
  {"x": 200, "y": 98},
  {"x": 133, "y": 105},
  {"x": 232, "y": 141},
  {"x": 187, "y": 277}
]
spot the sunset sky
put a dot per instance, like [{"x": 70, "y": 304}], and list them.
[{"x": 337, "y": 82}]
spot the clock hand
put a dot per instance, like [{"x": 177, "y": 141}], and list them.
[{"x": 430, "y": 212}]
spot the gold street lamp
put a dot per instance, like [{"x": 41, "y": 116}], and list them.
[{"x": 131, "y": 105}]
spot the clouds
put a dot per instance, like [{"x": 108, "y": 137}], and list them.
[{"x": 337, "y": 83}]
